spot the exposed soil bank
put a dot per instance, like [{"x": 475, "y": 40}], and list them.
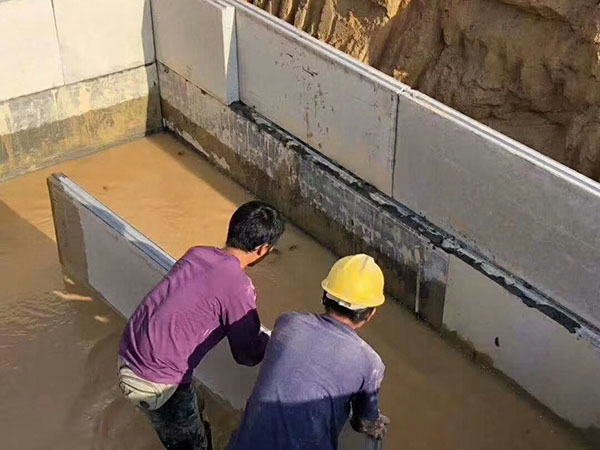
[
  {"x": 57, "y": 362},
  {"x": 528, "y": 68}
]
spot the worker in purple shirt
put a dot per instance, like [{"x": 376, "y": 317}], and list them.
[
  {"x": 317, "y": 370},
  {"x": 204, "y": 298}
]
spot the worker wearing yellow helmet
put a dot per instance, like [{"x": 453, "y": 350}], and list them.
[{"x": 317, "y": 371}]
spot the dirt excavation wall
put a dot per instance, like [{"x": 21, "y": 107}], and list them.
[
  {"x": 76, "y": 78},
  {"x": 468, "y": 224},
  {"x": 528, "y": 68}
]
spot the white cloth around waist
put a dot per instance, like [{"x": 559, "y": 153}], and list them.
[{"x": 143, "y": 393}]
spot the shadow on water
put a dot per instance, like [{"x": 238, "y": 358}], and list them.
[{"x": 57, "y": 363}]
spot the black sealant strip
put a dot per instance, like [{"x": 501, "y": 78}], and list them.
[{"x": 529, "y": 295}]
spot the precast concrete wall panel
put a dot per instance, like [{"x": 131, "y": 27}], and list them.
[
  {"x": 98, "y": 37},
  {"x": 28, "y": 48},
  {"x": 196, "y": 38},
  {"x": 526, "y": 213},
  {"x": 560, "y": 371},
  {"x": 342, "y": 108}
]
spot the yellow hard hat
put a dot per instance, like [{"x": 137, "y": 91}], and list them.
[{"x": 356, "y": 282}]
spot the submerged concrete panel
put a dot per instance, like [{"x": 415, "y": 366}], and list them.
[
  {"x": 98, "y": 37},
  {"x": 196, "y": 38},
  {"x": 325, "y": 98},
  {"x": 525, "y": 344},
  {"x": 28, "y": 48},
  {"x": 39, "y": 129},
  {"x": 528, "y": 214}
]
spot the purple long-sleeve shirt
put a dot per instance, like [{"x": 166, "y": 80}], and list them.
[{"x": 204, "y": 297}]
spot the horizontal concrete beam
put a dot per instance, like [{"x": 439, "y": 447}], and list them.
[
  {"x": 41, "y": 128},
  {"x": 99, "y": 249},
  {"x": 196, "y": 38}
]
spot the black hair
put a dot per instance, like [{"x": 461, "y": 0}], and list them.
[
  {"x": 355, "y": 315},
  {"x": 254, "y": 224}
]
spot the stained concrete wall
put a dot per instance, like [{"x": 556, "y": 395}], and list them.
[
  {"x": 42, "y": 128},
  {"x": 197, "y": 39},
  {"x": 323, "y": 198},
  {"x": 105, "y": 253},
  {"x": 76, "y": 76},
  {"x": 291, "y": 79}
]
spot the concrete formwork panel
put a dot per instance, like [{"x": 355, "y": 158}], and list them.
[
  {"x": 196, "y": 38},
  {"x": 41, "y": 128},
  {"x": 526, "y": 345},
  {"x": 28, "y": 48},
  {"x": 528, "y": 214},
  {"x": 98, "y": 37},
  {"x": 99, "y": 249},
  {"x": 325, "y": 98}
]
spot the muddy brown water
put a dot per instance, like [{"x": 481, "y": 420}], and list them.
[{"x": 58, "y": 345}]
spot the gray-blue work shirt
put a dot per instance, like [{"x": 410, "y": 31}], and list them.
[{"x": 314, "y": 371}]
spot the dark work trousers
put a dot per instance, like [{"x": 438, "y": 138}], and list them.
[{"x": 179, "y": 423}]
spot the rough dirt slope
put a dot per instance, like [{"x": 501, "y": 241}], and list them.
[{"x": 528, "y": 68}]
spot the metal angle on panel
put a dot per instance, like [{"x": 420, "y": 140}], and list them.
[{"x": 115, "y": 222}]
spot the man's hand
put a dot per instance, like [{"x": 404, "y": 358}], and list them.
[{"x": 374, "y": 429}]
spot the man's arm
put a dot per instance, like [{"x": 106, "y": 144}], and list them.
[
  {"x": 375, "y": 429},
  {"x": 366, "y": 417},
  {"x": 246, "y": 339}
]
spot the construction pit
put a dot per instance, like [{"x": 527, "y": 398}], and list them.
[{"x": 490, "y": 250}]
